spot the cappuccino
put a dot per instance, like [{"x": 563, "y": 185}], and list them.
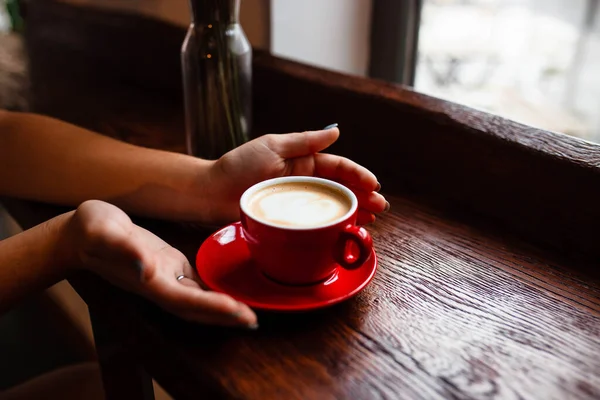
[{"x": 298, "y": 204}]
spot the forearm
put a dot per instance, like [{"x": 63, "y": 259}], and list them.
[
  {"x": 34, "y": 260},
  {"x": 49, "y": 160}
]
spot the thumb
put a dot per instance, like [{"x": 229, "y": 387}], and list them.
[{"x": 300, "y": 144}]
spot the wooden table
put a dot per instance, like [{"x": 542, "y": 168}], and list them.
[{"x": 488, "y": 284}]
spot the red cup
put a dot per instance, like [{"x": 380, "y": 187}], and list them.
[{"x": 299, "y": 255}]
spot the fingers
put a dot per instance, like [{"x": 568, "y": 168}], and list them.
[
  {"x": 189, "y": 282},
  {"x": 304, "y": 148},
  {"x": 371, "y": 201},
  {"x": 292, "y": 145},
  {"x": 369, "y": 204},
  {"x": 345, "y": 171},
  {"x": 244, "y": 318},
  {"x": 190, "y": 277},
  {"x": 194, "y": 304},
  {"x": 186, "y": 298},
  {"x": 361, "y": 181}
]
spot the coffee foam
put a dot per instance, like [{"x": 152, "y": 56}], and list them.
[{"x": 299, "y": 204}]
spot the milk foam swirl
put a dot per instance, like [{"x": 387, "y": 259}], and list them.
[{"x": 299, "y": 205}]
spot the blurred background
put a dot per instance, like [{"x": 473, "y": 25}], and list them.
[{"x": 534, "y": 61}]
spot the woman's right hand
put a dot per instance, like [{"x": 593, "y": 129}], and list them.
[{"x": 106, "y": 241}]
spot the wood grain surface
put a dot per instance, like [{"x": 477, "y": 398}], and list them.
[
  {"x": 488, "y": 284},
  {"x": 453, "y": 312}
]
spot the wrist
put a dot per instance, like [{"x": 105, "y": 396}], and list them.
[
  {"x": 204, "y": 193},
  {"x": 63, "y": 246},
  {"x": 218, "y": 194}
]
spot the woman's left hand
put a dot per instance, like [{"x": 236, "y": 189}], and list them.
[
  {"x": 101, "y": 238},
  {"x": 278, "y": 155}
]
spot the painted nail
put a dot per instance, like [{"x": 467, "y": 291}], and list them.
[
  {"x": 330, "y": 126},
  {"x": 378, "y": 188},
  {"x": 387, "y": 206},
  {"x": 253, "y": 326}
]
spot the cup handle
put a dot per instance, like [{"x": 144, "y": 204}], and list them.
[{"x": 363, "y": 241}]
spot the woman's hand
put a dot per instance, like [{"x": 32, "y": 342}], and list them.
[
  {"x": 47, "y": 160},
  {"x": 109, "y": 244},
  {"x": 273, "y": 156}
]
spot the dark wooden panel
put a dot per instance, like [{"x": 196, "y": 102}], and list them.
[
  {"x": 123, "y": 377},
  {"x": 136, "y": 50}
]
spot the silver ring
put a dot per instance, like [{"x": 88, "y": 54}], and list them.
[{"x": 180, "y": 277}]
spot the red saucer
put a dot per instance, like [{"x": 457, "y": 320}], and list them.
[{"x": 224, "y": 265}]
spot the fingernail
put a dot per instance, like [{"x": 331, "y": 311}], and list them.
[
  {"x": 253, "y": 326},
  {"x": 139, "y": 267},
  {"x": 330, "y": 126},
  {"x": 387, "y": 206},
  {"x": 378, "y": 188}
]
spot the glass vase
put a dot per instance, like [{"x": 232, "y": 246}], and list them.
[{"x": 216, "y": 61}]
